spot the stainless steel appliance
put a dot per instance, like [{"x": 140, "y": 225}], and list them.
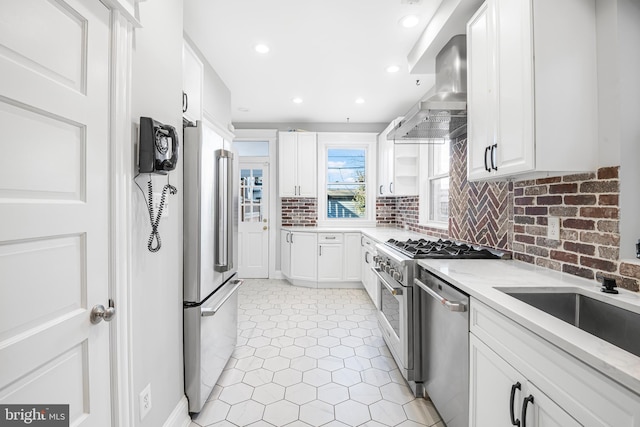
[
  {"x": 210, "y": 260},
  {"x": 404, "y": 313},
  {"x": 443, "y": 364},
  {"x": 443, "y": 111},
  {"x": 396, "y": 307}
]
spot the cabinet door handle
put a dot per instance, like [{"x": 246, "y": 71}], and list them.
[
  {"x": 494, "y": 160},
  {"x": 361, "y": 240},
  {"x": 516, "y": 386},
  {"x": 320, "y": 250},
  {"x": 381, "y": 190},
  {"x": 291, "y": 238},
  {"x": 185, "y": 102},
  {"x": 391, "y": 187},
  {"x": 366, "y": 258},
  {"x": 486, "y": 165},
  {"x": 525, "y": 404}
]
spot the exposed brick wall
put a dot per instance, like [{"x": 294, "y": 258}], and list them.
[
  {"x": 386, "y": 211},
  {"x": 407, "y": 216},
  {"x": 299, "y": 211},
  {"x": 588, "y": 209}
]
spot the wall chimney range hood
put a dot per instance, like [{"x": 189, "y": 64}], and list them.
[{"x": 442, "y": 114}]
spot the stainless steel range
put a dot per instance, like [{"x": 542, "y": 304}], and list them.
[{"x": 401, "y": 315}]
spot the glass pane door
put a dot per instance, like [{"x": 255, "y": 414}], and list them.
[{"x": 251, "y": 200}]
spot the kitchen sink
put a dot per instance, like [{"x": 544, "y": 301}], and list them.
[{"x": 606, "y": 321}]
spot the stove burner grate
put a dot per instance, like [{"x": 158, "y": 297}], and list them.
[{"x": 423, "y": 248}]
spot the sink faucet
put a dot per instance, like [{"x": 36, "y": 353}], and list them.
[{"x": 608, "y": 286}]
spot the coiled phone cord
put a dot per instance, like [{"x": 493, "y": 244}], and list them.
[{"x": 156, "y": 221}]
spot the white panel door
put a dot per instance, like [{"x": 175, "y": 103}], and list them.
[
  {"x": 54, "y": 205},
  {"x": 253, "y": 224}
]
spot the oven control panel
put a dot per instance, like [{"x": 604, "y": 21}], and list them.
[{"x": 385, "y": 264}]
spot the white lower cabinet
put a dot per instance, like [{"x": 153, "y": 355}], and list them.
[
  {"x": 285, "y": 252},
  {"x": 330, "y": 262},
  {"x": 369, "y": 280},
  {"x": 311, "y": 258},
  {"x": 304, "y": 261},
  {"x": 514, "y": 370},
  {"x": 351, "y": 260},
  {"x": 499, "y": 392}
]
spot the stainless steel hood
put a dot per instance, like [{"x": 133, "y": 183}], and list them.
[{"x": 442, "y": 114}]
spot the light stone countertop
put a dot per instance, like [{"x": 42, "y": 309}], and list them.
[
  {"x": 481, "y": 278},
  {"x": 379, "y": 234}
]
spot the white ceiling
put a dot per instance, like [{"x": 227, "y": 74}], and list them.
[{"x": 327, "y": 52}]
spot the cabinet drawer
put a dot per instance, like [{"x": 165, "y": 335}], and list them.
[
  {"x": 586, "y": 394},
  {"x": 329, "y": 237}
]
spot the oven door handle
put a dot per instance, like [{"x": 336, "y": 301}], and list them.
[
  {"x": 394, "y": 291},
  {"x": 450, "y": 305}
]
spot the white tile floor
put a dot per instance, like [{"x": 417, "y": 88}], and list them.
[{"x": 311, "y": 357}]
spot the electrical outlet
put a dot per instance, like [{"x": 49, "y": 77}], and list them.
[
  {"x": 145, "y": 401},
  {"x": 157, "y": 197},
  {"x": 553, "y": 228}
]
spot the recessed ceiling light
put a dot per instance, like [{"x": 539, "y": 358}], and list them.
[
  {"x": 359, "y": 101},
  {"x": 409, "y": 21},
  {"x": 393, "y": 69},
  {"x": 243, "y": 109},
  {"x": 297, "y": 100},
  {"x": 262, "y": 48}
]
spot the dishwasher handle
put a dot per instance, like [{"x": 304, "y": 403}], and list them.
[
  {"x": 450, "y": 305},
  {"x": 211, "y": 311}
]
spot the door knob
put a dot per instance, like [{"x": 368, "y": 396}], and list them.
[
  {"x": 99, "y": 313},
  {"x": 265, "y": 227}
]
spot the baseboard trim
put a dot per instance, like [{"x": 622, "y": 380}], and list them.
[{"x": 179, "y": 417}]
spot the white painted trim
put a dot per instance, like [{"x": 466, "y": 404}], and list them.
[
  {"x": 126, "y": 10},
  {"x": 269, "y": 135},
  {"x": 218, "y": 127},
  {"x": 366, "y": 141},
  {"x": 120, "y": 164},
  {"x": 179, "y": 417}
]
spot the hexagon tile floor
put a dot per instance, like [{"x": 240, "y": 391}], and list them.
[{"x": 311, "y": 357}]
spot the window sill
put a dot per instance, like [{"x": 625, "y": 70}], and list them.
[
  {"x": 346, "y": 223},
  {"x": 438, "y": 225}
]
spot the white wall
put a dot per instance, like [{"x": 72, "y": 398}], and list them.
[{"x": 157, "y": 277}]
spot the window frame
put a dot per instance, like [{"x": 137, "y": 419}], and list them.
[
  {"x": 427, "y": 156},
  {"x": 334, "y": 140}
]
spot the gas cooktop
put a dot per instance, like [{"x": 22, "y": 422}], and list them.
[{"x": 418, "y": 249}]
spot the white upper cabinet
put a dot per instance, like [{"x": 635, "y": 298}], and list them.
[
  {"x": 397, "y": 166},
  {"x": 532, "y": 89},
  {"x": 297, "y": 164},
  {"x": 192, "y": 83}
]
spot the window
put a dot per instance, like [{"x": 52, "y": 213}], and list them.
[
  {"x": 346, "y": 181},
  {"x": 434, "y": 184}
]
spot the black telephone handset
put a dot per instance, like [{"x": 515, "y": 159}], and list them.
[
  {"x": 158, "y": 146},
  {"x": 158, "y": 153}
]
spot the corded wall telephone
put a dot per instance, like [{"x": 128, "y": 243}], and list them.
[{"x": 158, "y": 153}]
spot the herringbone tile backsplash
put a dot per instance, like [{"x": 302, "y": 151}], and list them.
[{"x": 479, "y": 211}]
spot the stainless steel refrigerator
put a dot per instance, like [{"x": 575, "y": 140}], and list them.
[{"x": 210, "y": 260}]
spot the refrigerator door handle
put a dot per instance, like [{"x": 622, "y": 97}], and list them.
[
  {"x": 224, "y": 213},
  {"x": 204, "y": 312}
]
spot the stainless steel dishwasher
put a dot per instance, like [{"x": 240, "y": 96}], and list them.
[{"x": 443, "y": 360}]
